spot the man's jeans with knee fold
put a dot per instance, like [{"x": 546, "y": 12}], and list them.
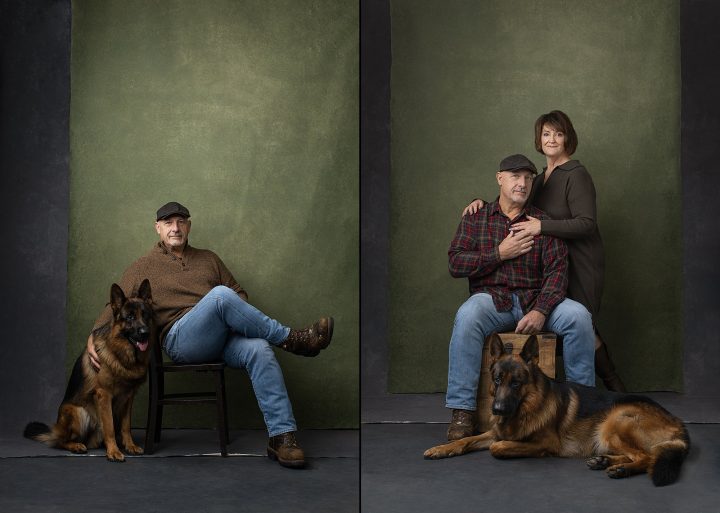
[
  {"x": 221, "y": 326},
  {"x": 477, "y": 318}
]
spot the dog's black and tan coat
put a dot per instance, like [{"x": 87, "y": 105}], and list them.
[
  {"x": 98, "y": 404},
  {"x": 534, "y": 416}
]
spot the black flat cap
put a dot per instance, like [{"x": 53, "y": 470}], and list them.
[
  {"x": 172, "y": 209},
  {"x": 517, "y": 162}
]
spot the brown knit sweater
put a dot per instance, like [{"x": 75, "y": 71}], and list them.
[{"x": 177, "y": 283}]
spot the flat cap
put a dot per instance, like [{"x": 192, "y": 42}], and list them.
[
  {"x": 172, "y": 209},
  {"x": 516, "y": 162}
]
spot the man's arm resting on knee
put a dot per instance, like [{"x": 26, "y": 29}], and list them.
[{"x": 555, "y": 277}]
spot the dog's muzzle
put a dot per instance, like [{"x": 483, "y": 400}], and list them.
[
  {"x": 501, "y": 409},
  {"x": 141, "y": 340}
]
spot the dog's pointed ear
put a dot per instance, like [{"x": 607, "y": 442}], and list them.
[
  {"x": 144, "y": 292},
  {"x": 117, "y": 297},
  {"x": 496, "y": 347},
  {"x": 531, "y": 350}
]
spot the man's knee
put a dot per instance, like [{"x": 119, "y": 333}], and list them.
[
  {"x": 221, "y": 291},
  {"x": 571, "y": 313},
  {"x": 474, "y": 310},
  {"x": 258, "y": 346}
]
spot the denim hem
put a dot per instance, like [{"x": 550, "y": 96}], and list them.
[
  {"x": 282, "y": 432},
  {"x": 474, "y": 407},
  {"x": 279, "y": 342}
]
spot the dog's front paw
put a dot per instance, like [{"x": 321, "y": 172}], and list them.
[
  {"x": 431, "y": 454},
  {"x": 499, "y": 449},
  {"x": 115, "y": 455},
  {"x": 438, "y": 452}
]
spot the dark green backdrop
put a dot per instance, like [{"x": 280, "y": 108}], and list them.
[
  {"x": 468, "y": 81},
  {"x": 246, "y": 112}
]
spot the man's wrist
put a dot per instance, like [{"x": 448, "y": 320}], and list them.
[{"x": 541, "y": 312}]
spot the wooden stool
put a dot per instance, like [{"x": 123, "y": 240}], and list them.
[{"x": 513, "y": 342}]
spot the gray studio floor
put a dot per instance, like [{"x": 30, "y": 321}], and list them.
[
  {"x": 387, "y": 473},
  {"x": 395, "y": 478},
  {"x": 186, "y": 474}
]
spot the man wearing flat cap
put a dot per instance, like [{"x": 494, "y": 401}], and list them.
[
  {"x": 202, "y": 314},
  {"x": 515, "y": 282}
]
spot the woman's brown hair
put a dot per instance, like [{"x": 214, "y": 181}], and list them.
[{"x": 558, "y": 120}]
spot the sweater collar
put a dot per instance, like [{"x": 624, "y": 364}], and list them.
[
  {"x": 567, "y": 166},
  {"x": 160, "y": 247}
]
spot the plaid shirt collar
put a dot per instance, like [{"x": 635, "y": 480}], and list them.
[{"x": 494, "y": 210}]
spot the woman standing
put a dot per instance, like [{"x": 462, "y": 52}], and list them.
[{"x": 565, "y": 191}]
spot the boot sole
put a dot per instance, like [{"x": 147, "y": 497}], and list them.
[
  {"x": 331, "y": 324},
  {"x": 272, "y": 454}
]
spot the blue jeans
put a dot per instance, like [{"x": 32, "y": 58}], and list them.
[
  {"x": 224, "y": 327},
  {"x": 477, "y": 318}
]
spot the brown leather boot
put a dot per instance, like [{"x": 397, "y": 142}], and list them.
[
  {"x": 462, "y": 424},
  {"x": 310, "y": 341},
  {"x": 605, "y": 368},
  {"x": 285, "y": 450}
]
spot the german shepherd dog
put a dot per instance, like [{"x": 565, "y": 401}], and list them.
[
  {"x": 534, "y": 416},
  {"x": 99, "y": 403}
]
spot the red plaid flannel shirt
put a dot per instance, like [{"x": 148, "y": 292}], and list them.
[{"x": 539, "y": 278}]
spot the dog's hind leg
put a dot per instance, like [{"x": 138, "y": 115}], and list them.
[
  {"x": 603, "y": 461},
  {"x": 636, "y": 463},
  {"x": 95, "y": 438},
  {"x": 71, "y": 429}
]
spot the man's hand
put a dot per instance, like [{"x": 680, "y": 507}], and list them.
[
  {"x": 515, "y": 245},
  {"x": 531, "y": 324},
  {"x": 94, "y": 358},
  {"x": 473, "y": 207}
]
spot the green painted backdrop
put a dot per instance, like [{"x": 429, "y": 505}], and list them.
[
  {"x": 468, "y": 81},
  {"x": 246, "y": 112}
]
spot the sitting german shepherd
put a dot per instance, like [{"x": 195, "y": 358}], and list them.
[
  {"x": 534, "y": 416},
  {"x": 97, "y": 403}
]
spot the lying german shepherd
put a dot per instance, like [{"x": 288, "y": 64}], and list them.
[
  {"x": 97, "y": 403},
  {"x": 534, "y": 416}
]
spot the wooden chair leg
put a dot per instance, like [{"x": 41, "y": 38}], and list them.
[
  {"x": 223, "y": 400},
  {"x": 158, "y": 422},
  {"x": 159, "y": 405},
  {"x": 222, "y": 425},
  {"x": 151, "y": 415}
]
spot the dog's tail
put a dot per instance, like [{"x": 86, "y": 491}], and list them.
[
  {"x": 668, "y": 458},
  {"x": 40, "y": 432}
]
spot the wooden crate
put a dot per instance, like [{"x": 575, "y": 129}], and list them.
[{"x": 546, "y": 341}]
